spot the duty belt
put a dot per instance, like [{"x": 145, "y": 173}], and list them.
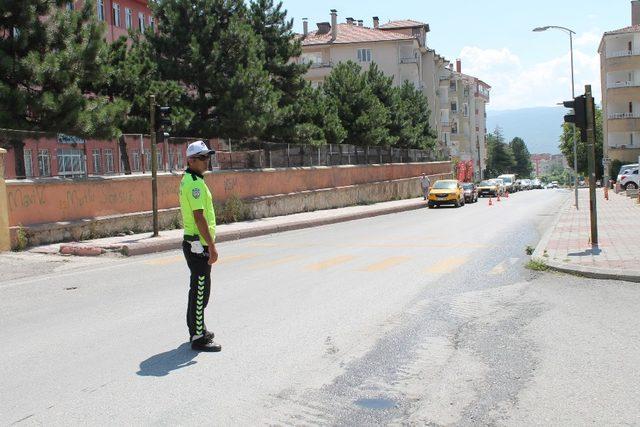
[{"x": 189, "y": 238}]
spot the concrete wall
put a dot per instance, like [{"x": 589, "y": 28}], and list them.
[
  {"x": 4, "y": 214},
  {"x": 35, "y": 202}
]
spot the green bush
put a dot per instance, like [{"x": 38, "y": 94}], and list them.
[{"x": 234, "y": 210}]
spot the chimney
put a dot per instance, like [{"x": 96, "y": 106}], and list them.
[
  {"x": 323, "y": 27},
  {"x": 350, "y": 21},
  {"x": 376, "y": 22},
  {"x": 458, "y": 65},
  {"x": 359, "y": 22},
  {"x": 334, "y": 24},
  {"x": 305, "y": 27},
  {"x": 635, "y": 12}
]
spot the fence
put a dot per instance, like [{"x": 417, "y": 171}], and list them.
[
  {"x": 279, "y": 155},
  {"x": 41, "y": 155}
]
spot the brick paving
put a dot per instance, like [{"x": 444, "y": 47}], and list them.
[{"x": 568, "y": 243}]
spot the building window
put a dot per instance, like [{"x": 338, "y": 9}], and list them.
[
  {"x": 100, "y": 6},
  {"x": 28, "y": 163},
  {"x": 116, "y": 14},
  {"x": 135, "y": 154},
  {"x": 465, "y": 109},
  {"x": 453, "y": 85},
  {"x": 141, "y": 21},
  {"x": 152, "y": 23},
  {"x": 97, "y": 162},
  {"x": 159, "y": 159},
  {"x": 454, "y": 127},
  {"x": 364, "y": 55},
  {"x": 128, "y": 18},
  {"x": 108, "y": 160},
  {"x": 44, "y": 163},
  {"x": 454, "y": 107},
  {"x": 70, "y": 162}
]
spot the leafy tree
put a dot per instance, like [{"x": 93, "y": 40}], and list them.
[
  {"x": 210, "y": 48},
  {"x": 499, "y": 155},
  {"x": 50, "y": 59},
  {"x": 364, "y": 117},
  {"x": 382, "y": 88},
  {"x": 415, "y": 131},
  {"x": 522, "y": 157},
  {"x": 315, "y": 120},
  {"x": 132, "y": 74},
  {"x": 566, "y": 147}
]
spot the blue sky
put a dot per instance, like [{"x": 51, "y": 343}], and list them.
[{"x": 495, "y": 42}]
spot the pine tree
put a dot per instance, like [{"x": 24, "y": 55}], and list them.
[
  {"x": 416, "y": 132},
  {"x": 523, "y": 166},
  {"x": 50, "y": 59},
  {"x": 209, "y": 47},
  {"x": 500, "y": 158},
  {"x": 364, "y": 117}
]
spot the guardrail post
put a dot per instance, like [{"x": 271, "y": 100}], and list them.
[{"x": 5, "y": 240}]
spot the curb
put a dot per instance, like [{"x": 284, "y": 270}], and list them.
[
  {"x": 134, "y": 249},
  {"x": 579, "y": 270}
]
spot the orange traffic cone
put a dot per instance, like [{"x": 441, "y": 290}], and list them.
[{"x": 490, "y": 202}]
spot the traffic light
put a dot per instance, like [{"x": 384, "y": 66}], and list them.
[
  {"x": 163, "y": 119},
  {"x": 579, "y": 116}
]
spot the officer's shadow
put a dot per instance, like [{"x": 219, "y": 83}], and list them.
[{"x": 162, "y": 364}]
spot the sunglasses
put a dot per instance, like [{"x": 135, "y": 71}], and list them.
[{"x": 203, "y": 158}]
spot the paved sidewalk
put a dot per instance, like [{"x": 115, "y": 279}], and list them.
[
  {"x": 138, "y": 244},
  {"x": 566, "y": 246}
]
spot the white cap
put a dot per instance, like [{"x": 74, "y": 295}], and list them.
[{"x": 198, "y": 148}]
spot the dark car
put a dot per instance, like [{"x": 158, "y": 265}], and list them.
[{"x": 470, "y": 192}]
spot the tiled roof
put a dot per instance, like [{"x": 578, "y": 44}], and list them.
[
  {"x": 631, "y": 29},
  {"x": 348, "y": 33},
  {"x": 404, "y": 23}
]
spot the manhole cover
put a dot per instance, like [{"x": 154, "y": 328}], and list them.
[{"x": 375, "y": 403}]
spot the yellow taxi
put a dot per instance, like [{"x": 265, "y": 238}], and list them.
[{"x": 446, "y": 192}]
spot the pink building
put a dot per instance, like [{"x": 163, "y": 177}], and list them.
[{"x": 122, "y": 15}]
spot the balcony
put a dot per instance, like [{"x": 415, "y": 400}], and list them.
[
  {"x": 444, "y": 78},
  {"x": 624, "y": 115},
  {"x": 328, "y": 64},
  {"x": 408, "y": 60},
  {"x": 619, "y": 84},
  {"x": 621, "y": 53}
]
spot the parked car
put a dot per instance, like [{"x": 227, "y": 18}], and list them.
[
  {"x": 536, "y": 183},
  {"x": 501, "y": 186},
  {"x": 526, "y": 184},
  {"x": 509, "y": 181},
  {"x": 629, "y": 180},
  {"x": 553, "y": 184},
  {"x": 488, "y": 188},
  {"x": 446, "y": 192},
  {"x": 626, "y": 169},
  {"x": 470, "y": 192}
]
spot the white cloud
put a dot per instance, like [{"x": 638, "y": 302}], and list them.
[
  {"x": 590, "y": 39},
  {"x": 542, "y": 84}
]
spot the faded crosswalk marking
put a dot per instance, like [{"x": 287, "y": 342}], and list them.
[
  {"x": 447, "y": 265},
  {"x": 387, "y": 263},
  {"x": 278, "y": 261},
  {"x": 330, "y": 262}
]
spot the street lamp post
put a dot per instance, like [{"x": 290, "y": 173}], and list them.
[{"x": 573, "y": 95}]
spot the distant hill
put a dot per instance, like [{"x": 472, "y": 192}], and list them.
[{"x": 539, "y": 127}]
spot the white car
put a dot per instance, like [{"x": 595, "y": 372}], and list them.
[{"x": 629, "y": 179}]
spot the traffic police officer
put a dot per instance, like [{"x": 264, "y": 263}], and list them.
[{"x": 199, "y": 220}]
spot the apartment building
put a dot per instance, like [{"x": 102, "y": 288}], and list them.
[
  {"x": 620, "y": 81},
  {"x": 400, "y": 50},
  {"x": 120, "y": 16}
]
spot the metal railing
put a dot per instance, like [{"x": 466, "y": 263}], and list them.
[
  {"x": 408, "y": 60},
  {"x": 624, "y": 115},
  {"x": 621, "y": 53}
]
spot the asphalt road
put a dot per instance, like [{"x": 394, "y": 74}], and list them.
[{"x": 422, "y": 317}]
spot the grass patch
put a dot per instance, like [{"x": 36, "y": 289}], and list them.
[{"x": 537, "y": 265}]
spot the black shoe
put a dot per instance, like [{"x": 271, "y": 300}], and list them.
[
  {"x": 209, "y": 335},
  {"x": 204, "y": 344}
]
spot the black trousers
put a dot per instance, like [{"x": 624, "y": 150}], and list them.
[{"x": 199, "y": 288}]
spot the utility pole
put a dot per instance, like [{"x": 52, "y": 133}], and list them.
[
  {"x": 154, "y": 164},
  {"x": 591, "y": 152}
]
